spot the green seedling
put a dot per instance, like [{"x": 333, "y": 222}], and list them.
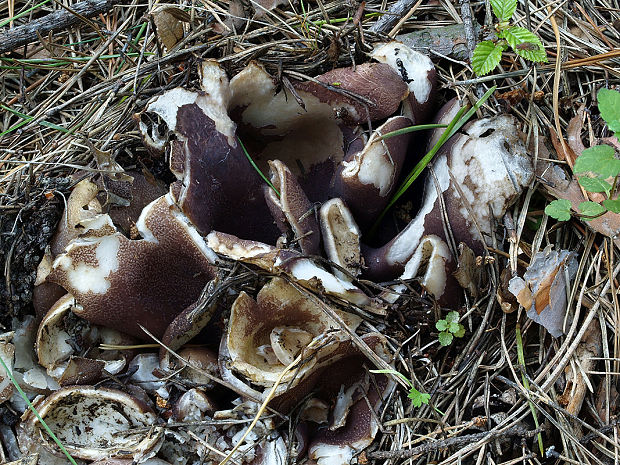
[
  {"x": 597, "y": 168},
  {"x": 417, "y": 398},
  {"x": 523, "y": 42},
  {"x": 449, "y": 328}
]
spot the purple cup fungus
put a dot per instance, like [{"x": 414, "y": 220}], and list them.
[
  {"x": 203, "y": 152},
  {"x": 106, "y": 272},
  {"x": 267, "y": 334},
  {"x": 282, "y": 325},
  {"x": 474, "y": 178}
]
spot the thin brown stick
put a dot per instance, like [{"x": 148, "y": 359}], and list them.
[
  {"x": 515, "y": 431},
  {"x": 56, "y": 21}
]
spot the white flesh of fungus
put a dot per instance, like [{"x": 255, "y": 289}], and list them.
[
  {"x": 87, "y": 278},
  {"x": 411, "y": 65}
]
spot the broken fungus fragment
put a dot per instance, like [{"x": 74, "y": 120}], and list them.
[
  {"x": 542, "y": 290},
  {"x": 92, "y": 423},
  {"x": 67, "y": 346},
  {"x": 267, "y": 334},
  {"x": 109, "y": 275},
  {"x": 7, "y": 353},
  {"x": 341, "y": 238},
  {"x": 303, "y": 270},
  {"x": 291, "y": 208}
]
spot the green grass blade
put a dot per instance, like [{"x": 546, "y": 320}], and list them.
[
  {"x": 258, "y": 169},
  {"x": 457, "y": 123},
  {"x": 526, "y": 384},
  {"x": 4, "y": 22},
  {"x": 407, "y": 130},
  {"x": 27, "y": 119},
  {"x": 34, "y": 410},
  {"x": 395, "y": 373}
]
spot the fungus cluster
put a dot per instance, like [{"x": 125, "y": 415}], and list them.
[{"x": 152, "y": 262}]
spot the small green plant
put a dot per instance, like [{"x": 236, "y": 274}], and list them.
[
  {"x": 417, "y": 398},
  {"x": 449, "y": 328},
  {"x": 597, "y": 168},
  {"x": 525, "y": 43}
]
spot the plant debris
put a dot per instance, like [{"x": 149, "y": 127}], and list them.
[{"x": 75, "y": 76}]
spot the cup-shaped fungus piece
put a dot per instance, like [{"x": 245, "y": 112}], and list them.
[
  {"x": 316, "y": 130},
  {"x": 66, "y": 346},
  {"x": 124, "y": 199},
  {"x": 342, "y": 391},
  {"x": 267, "y": 334},
  {"x": 203, "y": 152},
  {"x": 82, "y": 205},
  {"x": 92, "y": 424},
  {"x": 121, "y": 283},
  {"x": 367, "y": 178},
  {"x": 488, "y": 164}
]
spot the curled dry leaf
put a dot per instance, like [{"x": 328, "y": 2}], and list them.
[
  {"x": 542, "y": 290},
  {"x": 169, "y": 24},
  {"x": 578, "y": 381},
  {"x": 467, "y": 270}
]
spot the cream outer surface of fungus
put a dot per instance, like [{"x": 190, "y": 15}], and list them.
[
  {"x": 491, "y": 166},
  {"x": 93, "y": 423}
]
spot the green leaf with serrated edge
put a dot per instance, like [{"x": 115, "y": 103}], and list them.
[
  {"x": 503, "y": 9},
  {"x": 595, "y": 184},
  {"x": 453, "y": 316},
  {"x": 609, "y": 106},
  {"x": 460, "y": 332},
  {"x": 445, "y": 338},
  {"x": 524, "y": 43},
  {"x": 559, "y": 209},
  {"x": 418, "y": 398},
  {"x": 487, "y": 56},
  {"x": 453, "y": 327},
  {"x": 612, "y": 205},
  {"x": 599, "y": 160},
  {"x": 441, "y": 325},
  {"x": 591, "y": 209}
]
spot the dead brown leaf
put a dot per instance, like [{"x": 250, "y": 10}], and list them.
[{"x": 169, "y": 23}]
